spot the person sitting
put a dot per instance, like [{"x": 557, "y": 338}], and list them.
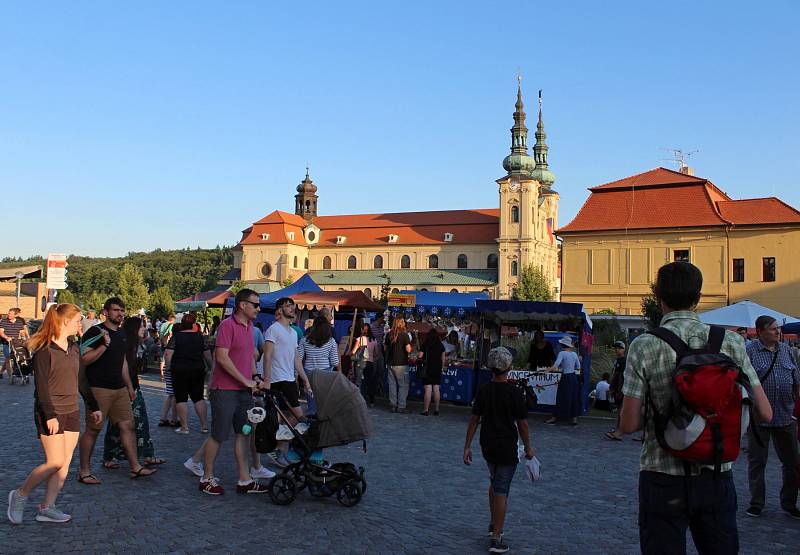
[{"x": 601, "y": 401}]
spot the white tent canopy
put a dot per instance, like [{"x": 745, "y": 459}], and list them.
[{"x": 743, "y": 314}]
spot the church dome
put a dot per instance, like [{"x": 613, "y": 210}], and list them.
[
  {"x": 519, "y": 163},
  {"x": 544, "y": 176},
  {"x": 307, "y": 186}
]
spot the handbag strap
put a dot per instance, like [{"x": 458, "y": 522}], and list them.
[{"x": 771, "y": 366}]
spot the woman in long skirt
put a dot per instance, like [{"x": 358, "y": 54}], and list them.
[{"x": 569, "y": 365}]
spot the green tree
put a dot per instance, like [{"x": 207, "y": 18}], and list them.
[
  {"x": 161, "y": 303},
  {"x": 287, "y": 282},
  {"x": 132, "y": 289},
  {"x": 236, "y": 286},
  {"x": 66, "y": 296},
  {"x": 532, "y": 286},
  {"x": 95, "y": 301},
  {"x": 651, "y": 309}
]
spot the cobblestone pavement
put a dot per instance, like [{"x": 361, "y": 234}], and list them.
[{"x": 421, "y": 497}]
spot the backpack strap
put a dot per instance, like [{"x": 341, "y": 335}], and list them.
[
  {"x": 716, "y": 335},
  {"x": 668, "y": 337}
]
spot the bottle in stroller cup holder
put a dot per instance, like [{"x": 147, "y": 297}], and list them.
[{"x": 20, "y": 362}]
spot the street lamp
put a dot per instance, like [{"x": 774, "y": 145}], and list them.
[{"x": 19, "y": 276}]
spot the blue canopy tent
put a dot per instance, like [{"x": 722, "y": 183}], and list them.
[
  {"x": 267, "y": 300},
  {"x": 569, "y": 318},
  {"x": 792, "y": 328},
  {"x": 446, "y": 305}
]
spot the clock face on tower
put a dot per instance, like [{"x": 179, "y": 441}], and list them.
[{"x": 514, "y": 185}]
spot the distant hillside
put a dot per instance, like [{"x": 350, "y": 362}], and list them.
[{"x": 183, "y": 272}]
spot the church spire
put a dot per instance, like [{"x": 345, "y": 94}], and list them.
[
  {"x": 542, "y": 171},
  {"x": 305, "y": 201},
  {"x": 519, "y": 162}
]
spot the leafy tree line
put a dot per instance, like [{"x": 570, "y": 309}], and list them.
[{"x": 152, "y": 280}]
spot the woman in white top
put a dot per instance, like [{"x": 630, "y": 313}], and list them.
[{"x": 568, "y": 363}]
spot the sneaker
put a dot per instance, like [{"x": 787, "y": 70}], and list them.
[
  {"x": 792, "y": 513},
  {"x": 489, "y": 534},
  {"x": 753, "y": 511},
  {"x": 195, "y": 468},
  {"x": 496, "y": 545},
  {"x": 181, "y": 431},
  {"x": 16, "y": 506},
  {"x": 278, "y": 459},
  {"x": 211, "y": 486},
  {"x": 252, "y": 487},
  {"x": 51, "y": 514},
  {"x": 302, "y": 427},
  {"x": 284, "y": 433},
  {"x": 261, "y": 472}
]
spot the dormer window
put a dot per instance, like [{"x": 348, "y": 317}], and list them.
[
  {"x": 393, "y": 238},
  {"x": 448, "y": 237},
  {"x": 265, "y": 236},
  {"x": 340, "y": 239},
  {"x": 290, "y": 235}
]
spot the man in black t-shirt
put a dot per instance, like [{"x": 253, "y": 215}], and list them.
[
  {"x": 501, "y": 412},
  {"x": 615, "y": 390},
  {"x": 103, "y": 349}
]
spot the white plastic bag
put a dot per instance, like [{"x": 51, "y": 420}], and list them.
[{"x": 533, "y": 469}]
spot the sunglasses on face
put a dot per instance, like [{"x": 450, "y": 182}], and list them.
[{"x": 257, "y": 306}]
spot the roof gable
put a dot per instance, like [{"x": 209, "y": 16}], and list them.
[
  {"x": 281, "y": 217},
  {"x": 758, "y": 211}
]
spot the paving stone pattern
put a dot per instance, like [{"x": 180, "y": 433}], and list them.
[{"x": 421, "y": 497}]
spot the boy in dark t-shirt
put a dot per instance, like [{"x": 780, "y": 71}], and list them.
[{"x": 500, "y": 410}]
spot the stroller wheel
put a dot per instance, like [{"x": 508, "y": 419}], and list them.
[
  {"x": 282, "y": 490},
  {"x": 363, "y": 480},
  {"x": 298, "y": 476},
  {"x": 350, "y": 493}
]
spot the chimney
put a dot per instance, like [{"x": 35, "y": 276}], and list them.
[{"x": 686, "y": 170}]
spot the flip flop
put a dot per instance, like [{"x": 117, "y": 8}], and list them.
[
  {"x": 142, "y": 473},
  {"x": 110, "y": 465},
  {"x": 610, "y": 435},
  {"x": 154, "y": 461},
  {"x": 89, "y": 480},
  {"x": 163, "y": 423}
]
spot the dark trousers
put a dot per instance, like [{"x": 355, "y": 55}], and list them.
[
  {"x": 369, "y": 385},
  {"x": 668, "y": 505},
  {"x": 784, "y": 440}
]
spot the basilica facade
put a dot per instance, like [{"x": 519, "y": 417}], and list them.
[{"x": 482, "y": 249}]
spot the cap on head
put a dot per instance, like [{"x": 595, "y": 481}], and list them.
[
  {"x": 619, "y": 344},
  {"x": 499, "y": 360}
]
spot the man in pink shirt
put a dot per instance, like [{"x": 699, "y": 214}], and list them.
[{"x": 230, "y": 392}]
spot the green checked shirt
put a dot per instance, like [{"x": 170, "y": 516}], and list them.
[{"x": 650, "y": 368}]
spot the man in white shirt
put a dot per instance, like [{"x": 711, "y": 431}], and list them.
[
  {"x": 601, "y": 393},
  {"x": 282, "y": 367}
]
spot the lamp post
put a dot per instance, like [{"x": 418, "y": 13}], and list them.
[{"x": 19, "y": 276}]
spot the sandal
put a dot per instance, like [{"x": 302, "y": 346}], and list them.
[
  {"x": 142, "y": 472},
  {"x": 203, "y": 430},
  {"x": 89, "y": 480},
  {"x": 610, "y": 435},
  {"x": 550, "y": 421},
  {"x": 154, "y": 461},
  {"x": 163, "y": 423},
  {"x": 110, "y": 465}
]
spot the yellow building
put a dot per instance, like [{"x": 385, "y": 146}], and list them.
[
  {"x": 627, "y": 229},
  {"x": 450, "y": 250}
]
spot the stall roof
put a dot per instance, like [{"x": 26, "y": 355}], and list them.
[
  {"x": 337, "y": 300},
  {"x": 303, "y": 285},
  {"x": 28, "y": 272},
  {"x": 445, "y": 304},
  {"x": 520, "y": 311},
  {"x": 200, "y": 301}
]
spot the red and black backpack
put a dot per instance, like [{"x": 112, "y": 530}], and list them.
[{"x": 706, "y": 415}]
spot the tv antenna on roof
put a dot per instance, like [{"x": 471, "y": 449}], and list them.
[{"x": 679, "y": 157}]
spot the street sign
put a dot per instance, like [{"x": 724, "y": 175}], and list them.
[
  {"x": 402, "y": 299},
  {"x": 57, "y": 271}
]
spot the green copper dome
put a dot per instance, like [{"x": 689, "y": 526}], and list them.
[
  {"x": 543, "y": 176},
  {"x": 519, "y": 163}
]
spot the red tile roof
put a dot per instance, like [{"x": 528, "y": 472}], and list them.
[
  {"x": 278, "y": 225},
  {"x": 655, "y": 177},
  {"x": 757, "y": 211}
]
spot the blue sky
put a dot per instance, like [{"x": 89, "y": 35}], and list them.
[{"x": 170, "y": 124}]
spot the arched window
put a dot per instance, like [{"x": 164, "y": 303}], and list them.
[
  {"x": 433, "y": 261},
  {"x": 462, "y": 260},
  {"x": 377, "y": 262},
  {"x": 351, "y": 263},
  {"x": 488, "y": 293},
  {"x": 405, "y": 262},
  {"x": 305, "y": 263},
  {"x": 423, "y": 289},
  {"x": 395, "y": 290},
  {"x": 454, "y": 290},
  {"x": 326, "y": 263},
  {"x": 368, "y": 292},
  {"x": 514, "y": 268},
  {"x": 515, "y": 214},
  {"x": 295, "y": 263},
  {"x": 491, "y": 261}
]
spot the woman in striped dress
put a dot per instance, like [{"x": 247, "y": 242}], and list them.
[{"x": 319, "y": 351}]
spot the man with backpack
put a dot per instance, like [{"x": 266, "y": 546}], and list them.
[
  {"x": 687, "y": 369},
  {"x": 778, "y": 371}
]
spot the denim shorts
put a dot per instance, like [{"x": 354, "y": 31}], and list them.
[{"x": 500, "y": 476}]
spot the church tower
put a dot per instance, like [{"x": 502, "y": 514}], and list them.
[
  {"x": 527, "y": 207},
  {"x": 305, "y": 201}
]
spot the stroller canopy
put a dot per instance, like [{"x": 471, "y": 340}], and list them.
[{"x": 341, "y": 410}]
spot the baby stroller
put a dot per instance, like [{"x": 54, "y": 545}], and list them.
[
  {"x": 342, "y": 418},
  {"x": 21, "y": 362}
]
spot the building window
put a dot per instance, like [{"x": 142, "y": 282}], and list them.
[
  {"x": 738, "y": 269},
  {"x": 515, "y": 214},
  {"x": 405, "y": 262},
  {"x": 768, "y": 269},
  {"x": 377, "y": 263},
  {"x": 680, "y": 255},
  {"x": 433, "y": 261},
  {"x": 395, "y": 290},
  {"x": 454, "y": 290},
  {"x": 491, "y": 261},
  {"x": 295, "y": 262},
  {"x": 351, "y": 263},
  {"x": 326, "y": 263},
  {"x": 305, "y": 263},
  {"x": 266, "y": 270},
  {"x": 514, "y": 268},
  {"x": 462, "y": 261},
  {"x": 368, "y": 292},
  {"x": 423, "y": 289}
]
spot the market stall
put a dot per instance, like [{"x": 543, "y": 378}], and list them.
[{"x": 206, "y": 299}]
